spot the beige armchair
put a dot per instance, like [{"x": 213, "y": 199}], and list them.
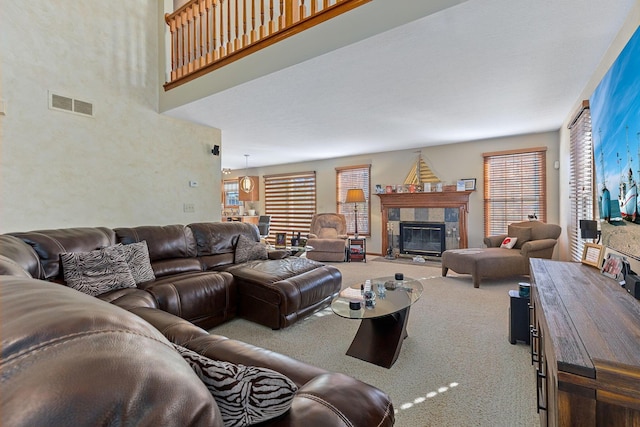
[
  {"x": 327, "y": 236},
  {"x": 535, "y": 239}
]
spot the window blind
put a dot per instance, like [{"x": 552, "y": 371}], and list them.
[
  {"x": 581, "y": 188},
  {"x": 290, "y": 200},
  {"x": 230, "y": 193},
  {"x": 348, "y": 178},
  {"x": 514, "y": 187}
]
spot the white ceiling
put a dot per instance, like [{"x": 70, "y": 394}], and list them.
[{"x": 480, "y": 69}]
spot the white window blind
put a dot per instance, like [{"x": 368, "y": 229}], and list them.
[
  {"x": 351, "y": 177},
  {"x": 514, "y": 187},
  {"x": 230, "y": 193},
  {"x": 290, "y": 200},
  {"x": 581, "y": 182}
]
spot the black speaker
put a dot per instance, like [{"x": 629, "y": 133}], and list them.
[
  {"x": 216, "y": 150},
  {"x": 588, "y": 229},
  {"x": 632, "y": 285}
]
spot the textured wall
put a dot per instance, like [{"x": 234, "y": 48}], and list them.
[
  {"x": 449, "y": 162},
  {"x": 128, "y": 165}
]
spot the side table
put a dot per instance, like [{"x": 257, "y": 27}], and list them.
[
  {"x": 357, "y": 250},
  {"x": 518, "y": 318}
]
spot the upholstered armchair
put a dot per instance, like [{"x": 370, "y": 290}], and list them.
[
  {"x": 327, "y": 236},
  {"x": 535, "y": 239}
]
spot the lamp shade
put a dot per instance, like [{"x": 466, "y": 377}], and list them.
[{"x": 355, "y": 195}]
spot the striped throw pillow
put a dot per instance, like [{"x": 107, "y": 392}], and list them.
[
  {"x": 96, "y": 272},
  {"x": 245, "y": 395}
]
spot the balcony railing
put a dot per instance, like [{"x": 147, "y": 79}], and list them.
[{"x": 208, "y": 34}]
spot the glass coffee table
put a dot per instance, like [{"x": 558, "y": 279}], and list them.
[
  {"x": 384, "y": 326},
  {"x": 293, "y": 250}
]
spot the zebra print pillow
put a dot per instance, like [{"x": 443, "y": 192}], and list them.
[
  {"x": 96, "y": 272},
  {"x": 137, "y": 257},
  {"x": 245, "y": 394}
]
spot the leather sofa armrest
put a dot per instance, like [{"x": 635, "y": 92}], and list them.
[
  {"x": 494, "y": 241},
  {"x": 312, "y": 236},
  {"x": 335, "y": 396},
  {"x": 343, "y": 236},
  {"x": 322, "y": 398},
  {"x": 542, "y": 248},
  {"x": 222, "y": 348}
]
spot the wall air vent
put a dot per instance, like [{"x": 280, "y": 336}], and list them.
[{"x": 70, "y": 105}]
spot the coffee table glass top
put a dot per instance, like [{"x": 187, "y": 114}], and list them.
[
  {"x": 399, "y": 294},
  {"x": 306, "y": 248}
]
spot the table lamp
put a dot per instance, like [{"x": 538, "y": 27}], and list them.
[{"x": 355, "y": 196}]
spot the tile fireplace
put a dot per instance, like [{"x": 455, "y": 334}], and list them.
[
  {"x": 422, "y": 238},
  {"x": 447, "y": 200}
]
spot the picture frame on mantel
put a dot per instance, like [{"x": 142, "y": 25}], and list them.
[{"x": 469, "y": 184}]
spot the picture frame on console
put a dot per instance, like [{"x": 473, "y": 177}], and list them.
[
  {"x": 592, "y": 255},
  {"x": 281, "y": 240},
  {"x": 612, "y": 267}
]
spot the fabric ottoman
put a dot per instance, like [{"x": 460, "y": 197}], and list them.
[{"x": 484, "y": 263}]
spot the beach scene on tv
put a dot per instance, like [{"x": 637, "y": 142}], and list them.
[{"x": 615, "y": 119}]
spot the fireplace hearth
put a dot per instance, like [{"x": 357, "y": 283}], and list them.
[{"x": 422, "y": 238}]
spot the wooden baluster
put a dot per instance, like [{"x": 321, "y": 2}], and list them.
[
  {"x": 214, "y": 31},
  {"x": 254, "y": 30},
  {"x": 272, "y": 22},
  {"x": 283, "y": 14},
  {"x": 185, "y": 47},
  {"x": 188, "y": 39},
  {"x": 221, "y": 32},
  {"x": 202, "y": 54},
  {"x": 314, "y": 7},
  {"x": 301, "y": 12},
  {"x": 209, "y": 46},
  {"x": 325, "y": 4},
  {"x": 238, "y": 36},
  {"x": 263, "y": 27},
  {"x": 195, "y": 45},
  {"x": 174, "y": 48},
  {"x": 229, "y": 40},
  {"x": 245, "y": 34}
]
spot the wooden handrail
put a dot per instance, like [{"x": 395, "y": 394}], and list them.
[{"x": 208, "y": 34}]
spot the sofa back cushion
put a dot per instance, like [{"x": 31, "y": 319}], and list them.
[
  {"x": 71, "y": 359},
  {"x": 540, "y": 230},
  {"x": 216, "y": 241},
  {"x": 50, "y": 244},
  {"x": 18, "y": 254},
  {"x": 523, "y": 234},
  {"x": 172, "y": 248}
]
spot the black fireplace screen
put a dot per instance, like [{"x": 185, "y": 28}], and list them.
[{"x": 422, "y": 238}]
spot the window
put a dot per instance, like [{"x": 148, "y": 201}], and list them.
[
  {"x": 581, "y": 182},
  {"x": 348, "y": 178},
  {"x": 290, "y": 200},
  {"x": 514, "y": 187},
  {"x": 230, "y": 193}
]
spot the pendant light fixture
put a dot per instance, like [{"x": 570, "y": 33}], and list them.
[{"x": 246, "y": 183}]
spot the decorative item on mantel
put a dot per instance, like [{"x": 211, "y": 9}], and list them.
[{"x": 421, "y": 177}]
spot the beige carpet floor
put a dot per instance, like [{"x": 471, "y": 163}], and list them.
[{"x": 456, "y": 367}]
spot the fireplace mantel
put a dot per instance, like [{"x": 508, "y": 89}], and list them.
[{"x": 443, "y": 199}]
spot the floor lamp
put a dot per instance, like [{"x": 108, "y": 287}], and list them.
[{"x": 355, "y": 196}]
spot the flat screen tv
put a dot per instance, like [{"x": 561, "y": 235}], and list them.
[{"x": 615, "y": 118}]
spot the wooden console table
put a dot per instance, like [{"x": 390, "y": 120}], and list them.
[
  {"x": 444, "y": 199},
  {"x": 585, "y": 346}
]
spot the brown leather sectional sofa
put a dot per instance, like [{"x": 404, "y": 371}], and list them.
[
  {"x": 196, "y": 277},
  {"x": 72, "y": 359}
]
